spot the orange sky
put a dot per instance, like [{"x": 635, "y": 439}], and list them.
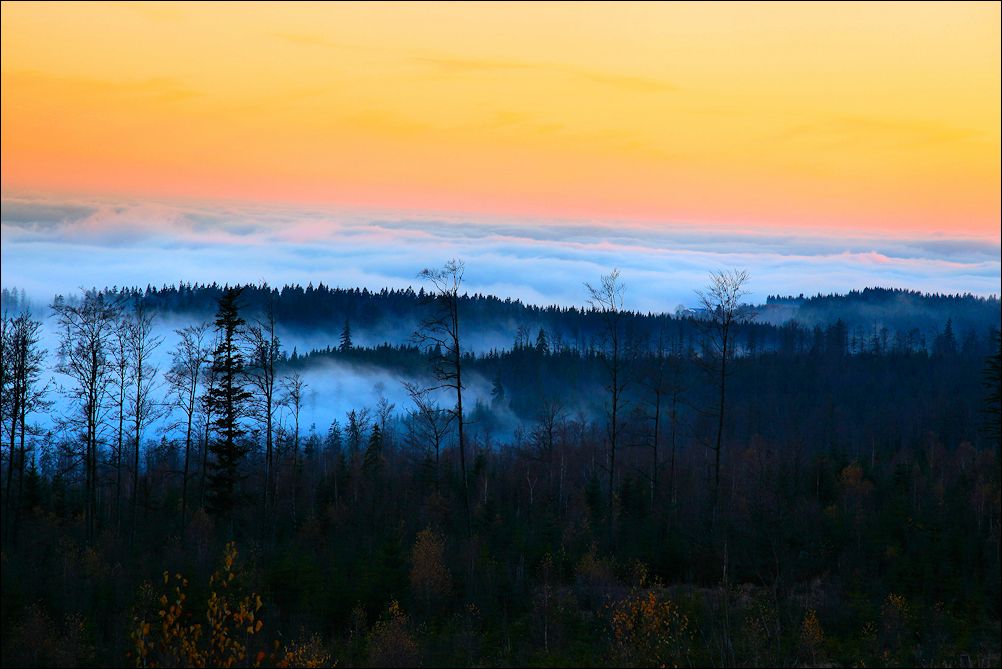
[{"x": 823, "y": 116}]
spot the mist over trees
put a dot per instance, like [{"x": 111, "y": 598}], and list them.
[
  {"x": 906, "y": 319},
  {"x": 188, "y": 360},
  {"x": 805, "y": 482}
]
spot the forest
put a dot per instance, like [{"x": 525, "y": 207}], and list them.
[{"x": 215, "y": 475}]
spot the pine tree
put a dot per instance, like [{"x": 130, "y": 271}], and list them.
[
  {"x": 946, "y": 343},
  {"x": 372, "y": 461},
  {"x": 229, "y": 403},
  {"x": 334, "y": 440},
  {"x": 542, "y": 345},
  {"x": 992, "y": 377},
  {"x": 497, "y": 391},
  {"x": 346, "y": 344}
]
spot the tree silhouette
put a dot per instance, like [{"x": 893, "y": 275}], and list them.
[
  {"x": 607, "y": 300},
  {"x": 85, "y": 356},
  {"x": 230, "y": 404},
  {"x": 184, "y": 376},
  {"x": 264, "y": 348},
  {"x": 721, "y": 301},
  {"x": 23, "y": 362},
  {"x": 144, "y": 406},
  {"x": 440, "y": 332},
  {"x": 345, "y": 344}
]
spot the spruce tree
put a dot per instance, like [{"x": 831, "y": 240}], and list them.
[
  {"x": 346, "y": 343},
  {"x": 228, "y": 401},
  {"x": 372, "y": 461},
  {"x": 542, "y": 345}
]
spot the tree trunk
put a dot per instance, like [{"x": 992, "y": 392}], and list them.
[
  {"x": 10, "y": 465},
  {"x": 187, "y": 456},
  {"x": 459, "y": 416},
  {"x": 118, "y": 455},
  {"x": 138, "y": 436},
  {"x": 720, "y": 417},
  {"x": 657, "y": 435},
  {"x": 20, "y": 467}
]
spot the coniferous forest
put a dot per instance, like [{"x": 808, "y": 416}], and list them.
[
  {"x": 490, "y": 334},
  {"x": 206, "y": 475}
]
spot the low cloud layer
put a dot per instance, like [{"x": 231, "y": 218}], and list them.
[{"x": 54, "y": 246}]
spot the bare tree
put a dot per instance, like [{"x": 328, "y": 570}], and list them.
[
  {"x": 676, "y": 389},
  {"x": 293, "y": 388},
  {"x": 26, "y": 395},
  {"x": 210, "y": 380},
  {"x": 607, "y": 299},
  {"x": 356, "y": 426},
  {"x": 429, "y": 422},
  {"x": 6, "y": 393},
  {"x": 543, "y": 438},
  {"x": 440, "y": 335},
  {"x": 144, "y": 405},
  {"x": 264, "y": 348},
  {"x": 384, "y": 409},
  {"x": 655, "y": 378},
  {"x": 85, "y": 356},
  {"x": 721, "y": 301},
  {"x": 123, "y": 381},
  {"x": 188, "y": 359}
]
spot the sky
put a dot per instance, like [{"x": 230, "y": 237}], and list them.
[{"x": 822, "y": 146}]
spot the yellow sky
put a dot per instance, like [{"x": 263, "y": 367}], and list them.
[{"x": 822, "y": 116}]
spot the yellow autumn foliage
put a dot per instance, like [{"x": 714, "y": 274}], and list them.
[
  {"x": 391, "y": 643},
  {"x": 429, "y": 576},
  {"x": 233, "y": 626},
  {"x": 648, "y": 629},
  {"x": 812, "y": 637}
]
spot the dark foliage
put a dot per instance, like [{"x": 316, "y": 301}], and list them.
[
  {"x": 227, "y": 400},
  {"x": 857, "y": 519}
]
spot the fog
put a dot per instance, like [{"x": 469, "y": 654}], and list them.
[
  {"x": 52, "y": 246},
  {"x": 333, "y": 387},
  {"x": 59, "y": 245}
]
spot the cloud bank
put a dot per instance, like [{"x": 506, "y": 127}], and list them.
[{"x": 51, "y": 246}]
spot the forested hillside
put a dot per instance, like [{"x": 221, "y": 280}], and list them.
[
  {"x": 875, "y": 319},
  {"x": 809, "y": 482}
]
